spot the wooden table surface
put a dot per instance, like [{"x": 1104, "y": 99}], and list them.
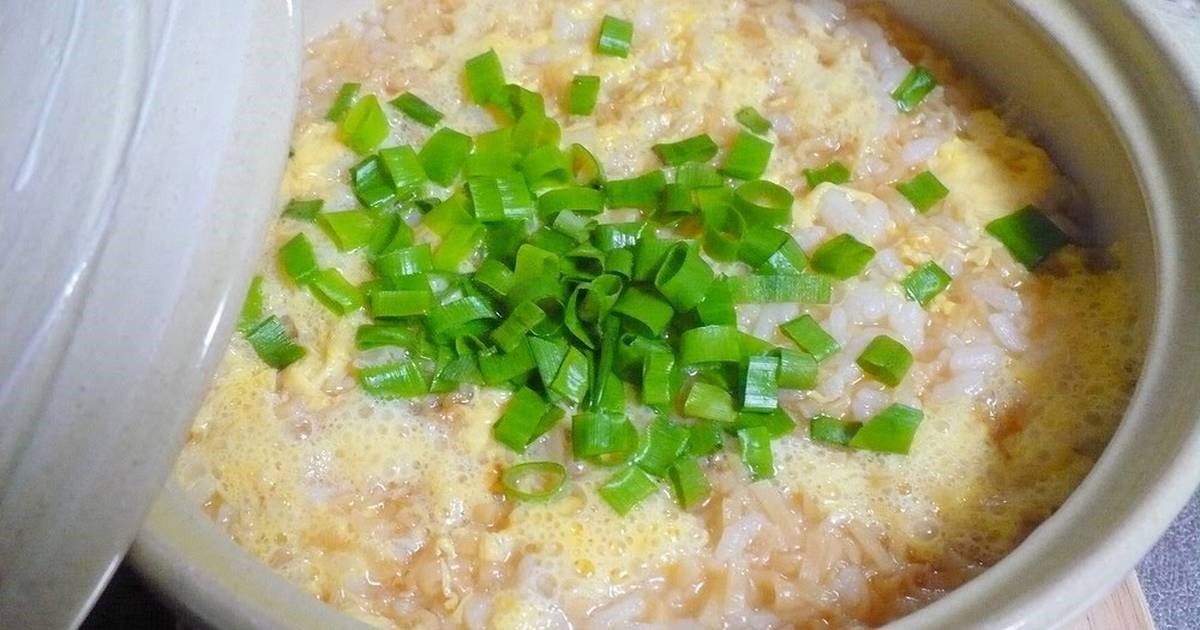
[{"x": 1124, "y": 609}]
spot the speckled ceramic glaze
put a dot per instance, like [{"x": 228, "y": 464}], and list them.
[
  {"x": 141, "y": 149},
  {"x": 1113, "y": 88}
]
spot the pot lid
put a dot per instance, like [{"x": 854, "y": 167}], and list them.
[{"x": 142, "y": 149}]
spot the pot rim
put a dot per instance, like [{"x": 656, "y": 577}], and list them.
[{"x": 1152, "y": 100}]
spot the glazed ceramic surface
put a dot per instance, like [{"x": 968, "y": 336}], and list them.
[
  {"x": 1112, "y": 88},
  {"x": 142, "y": 147}
]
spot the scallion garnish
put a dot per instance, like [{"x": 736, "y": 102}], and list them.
[
  {"x": 842, "y": 257},
  {"x": 273, "y": 343},
  {"x": 749, "y": 118},
  {"x": 923, "y": 191},
  {"x": 748, "y": 157},
  {"x": 755, "y": 446},
  {"x": 485, "y": 78},
  {"x": 699, "y": 148},
  {"x": 834, "y": 173},
  {"x": 917, "y": 84},
  {"x": 810, "y": 337},
  {"x": 925, "y": 283},
  {"x": 332, "y": 289},
  {"x": 365, "y": 125},
  {"x": 533, "y": 481},
  {"x": 1028, "y": 235},
  {"x": 761, "y": 391},
  {"x": 627, "y": 488},
  {"x": 709, "y": 402},
  {"x": 615, "y": 38},
  {"x": 688, "y": 483},
  {"x": 303, "y": 209},
  {"x": 582, "y": 94},
  {"x": 417, "y": 109},
  {"x": 443, "y": 155},
  {"x": 349, "y": 229},
  {"x": 342, "y": 102},
  {"x": 252, "y": 308},
  {"x": 886, "y": 360},
  {"x": 400, "y": 379},
  {"x": 298, "y": 259},
  {"x": 890, "y": 431},
  {"x": 823, "y": 428}
]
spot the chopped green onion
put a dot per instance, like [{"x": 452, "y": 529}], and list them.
[
  {"x": 400, "y": 379},
  {"x": 842, "y": 257},
  {"x": 273, "y": 344},
  {"x": 610, "y": 236},
  {"x": 797, "y": 369},
  {"x": 494, "y": 276},
  {"x": 627, "y": 488},
  {"x": 760, "y": 243},
  {"x": 806, "y": 288},
  {"x": 755, "y": 446},
  {"x": 548, "y": 356},
  {"x": 748, "y": 157},
  {"x": 485, "y": 78},
  {"x": 386, "y": 304},
  {"x": 417, "y": 109},
  {"x": 365, "y": 125},
  {"x": 303, "y": 209},
  {"x": 648, "y": 256},
  {"x": 923, "y": 191},
  {"x": 789, "y": 259},
  {"x": 710, "y": 344},
  {"x": 665, "y": 441},
  {"x": 517, "y": 426},
  {"x": 684, "y": 277},
  {"x": 1028, "y": 235},
  {"x": 546, "y": 167},
  {"x": 810, "y": 337},
  {"x": 823, "y": 428},
  {"x": 688, "y": 482},
  {"x": 443, "y": 155},
  {"x": 585, "y": 166},
  {"x": 723, "y": 226},
  {"x": 699, "y": 148},
  {"x": 646, "y": 308},
  {"x": 498, "y": 368},
  {"x": 342, "y": 102},
  {"x": 298, "y": 259},
  {"x": 890, "y": 431},
  {"x": 533, "y": 481},
  {"x": 404, "y": 169},
  {"x": 595, "y": 435},
  {"x": 349, "y": 229},
  {"x": 761, "y": 392},
  {"x": 777, "y": 423},
  {"x": 763, "y": 202},
  {"x": 573, "y": 378},
  {"x": 457, "y": 246},
  {"x": 657, "y": 371},
  {"x": 252, "y": 308},
  {"x": 640, "y": 192},
  {"x": 834, "y": 173},
  {"x": 926, "y": 282},
  {"x": 511, "y": 332},
  {"x": 501, "y": 198},
  {"x": 749, "y": 118},
  {"x": 581, "y": 96},
  {"x": 886, "y": 360},
  {"x": 370, "y": 336},
  {"x": 332, "y": 289},
  {"x": 709, "y": 402},
  {"x": 692, "y": 175},
  {"x": 370, "y": 184},
  {"x": 717, "y": 307},
  {"x": 445, "y": 319},
  {"x": 705, "y": 438},
  {"x": 448, "y": 214},
  {"x": 574, "y": 198},
  {"x": 404, "y": 261},
  {"x": 917, "y": 84},
  {"x": 616, "y": 36}
]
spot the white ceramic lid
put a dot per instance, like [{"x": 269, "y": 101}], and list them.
[{"x": 142, "y": 149}]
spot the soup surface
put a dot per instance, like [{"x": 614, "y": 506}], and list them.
[{"x": 392, "y": 510}]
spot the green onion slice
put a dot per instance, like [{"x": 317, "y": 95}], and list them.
[
  {"x": 705, "y": 438},
  {"x": 823, "y": 428},
  {"x": 1028, "y": 235},
  {"x": 404, "y": 169},
  {"x": 533, "y": 481},
  {"x": 303, "y": 209},
  {"x": 890, "y": 431},
  {"x": 748, "y": 157},
  {"x": 417, "y": 109},
  {"x": 627, "y": 488},
  {"x": 763, "y": 202},
  {"x": 761, "y": 390},
  {"x": 699, "y": 148},
  {"x": 252, "y": 308},
  {"x": 596, "y": 435},
  {"x": 842, "y": 257},
  {"x": 371, "y": 184},
  {"x": 485, "y": 77},
  {"x": 710, "y": 344},
  {"x": 886, "y": 360},
  {"x": 925, "y": 283},
  {"x": 517, "y": 426},
  {"x": 585, "y": 167},
  {"x": 443, "y": 155},
  {"x": 332, "y": 289},
  {"x": 684, "y": 278},
  {"x": 582, "y": 94},
  {"x": 664, "y": 443},
  {"x": 709, "y": 402},
  {"x": 749, "y": 118},
  {"x": 797, "y": 369},
  {"x": 400, "y": 379},
  {"x": 810, "y": 337},
  {"x": 274, "y": 344},
  {"x": 755, "y": 446},
  {"x": 298, "y": 259},
  {"x": 917, "y": 84},
  {"x": 834, "y": 173},
  {"x": 688, "y": 482},
  {"x": 640, "y": 192},
  {"x": 342, "y": 102},
  {"x": 349, "y": 230},
  {"x": 805, "y": 288},
  {"x": 615, "y": 38},
  {"x": 365, "y": 125},
  {"x": 923, "y": 191}
]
